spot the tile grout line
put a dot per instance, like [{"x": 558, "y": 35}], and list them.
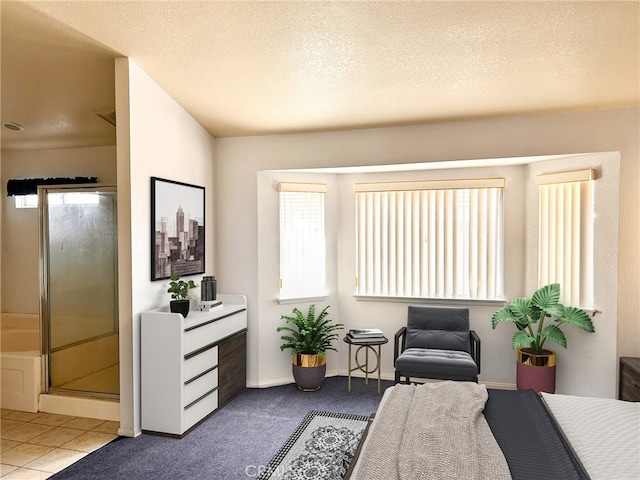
[{"x": 81, "y": 424}]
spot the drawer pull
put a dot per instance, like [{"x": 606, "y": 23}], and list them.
[
  {"x": 200, "y": 375},
  {"x": 214, "y": 319},
  {"x": 200, "y": 350}
]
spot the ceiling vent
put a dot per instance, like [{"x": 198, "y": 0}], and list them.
[{"x": 107, "y": 116}]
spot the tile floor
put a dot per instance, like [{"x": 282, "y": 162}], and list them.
[{"x": 37, "y": 445}]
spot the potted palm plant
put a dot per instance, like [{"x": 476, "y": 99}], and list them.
[
  {"x": 179, "y": 290},
  {"x": 538, "y": 319},
  {"x": 309, "y": 337}
]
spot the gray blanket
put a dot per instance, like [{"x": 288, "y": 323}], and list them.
[{"x": 432, "y": 431}]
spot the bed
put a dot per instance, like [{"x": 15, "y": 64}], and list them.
[{"x": 455, "y": 430}]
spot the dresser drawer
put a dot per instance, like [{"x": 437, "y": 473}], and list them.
[
  {"x": 214, "y": 331},
  {"x": 629, "y": 383},
  {"x": 201, "y": 385},
  {"x": 198, "y": 411},
  {"x": 630, "y": 394},
  {"x": 194, "y": 366}
]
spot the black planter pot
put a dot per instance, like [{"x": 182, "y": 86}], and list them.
[
  {"x": 179, "y": 306},
  {"x": 309, "y": 371}
]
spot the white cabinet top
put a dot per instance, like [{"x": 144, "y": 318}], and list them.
[{"x": 230, "y": 304}]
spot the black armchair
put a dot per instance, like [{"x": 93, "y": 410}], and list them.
[{"x": 437, "y": 344}]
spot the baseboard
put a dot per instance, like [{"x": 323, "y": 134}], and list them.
[
  {"x": 345, "y": 373},
  {"x": 271, "y": 383},
  {"x": 103, "y": 409},
  {"x": 500, "y": 386},
  {"x": 127, "y": 432}
]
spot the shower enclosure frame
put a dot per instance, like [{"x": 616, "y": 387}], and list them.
[{"x": 44, "y": 269}]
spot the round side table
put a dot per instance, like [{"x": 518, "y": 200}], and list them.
[{"x": 367, "y": 344}]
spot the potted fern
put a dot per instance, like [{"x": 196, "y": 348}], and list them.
[
  {"x": 309, "y": 337},
  {"x": 179, "y": 290},
  {"x": 538, "y": 319}
]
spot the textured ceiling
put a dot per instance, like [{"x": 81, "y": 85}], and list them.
[{"x": 254, "y": 68}]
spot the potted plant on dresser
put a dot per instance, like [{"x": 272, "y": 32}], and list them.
[
  {"x": 309, "y": 338},
  {"x": 536, "y": 365},
  {"x": 179, "y": 290}
]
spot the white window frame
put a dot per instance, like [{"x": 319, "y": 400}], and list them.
[
  {"x": 430, "y": 239},
  {"x": 26, "y": 201},
  {"x": 303, "y": 269}
]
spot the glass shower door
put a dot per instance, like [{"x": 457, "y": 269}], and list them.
[{"x": 79, "y": 289}]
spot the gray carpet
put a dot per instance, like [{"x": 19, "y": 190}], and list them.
[{"x": 234, "y": 443}]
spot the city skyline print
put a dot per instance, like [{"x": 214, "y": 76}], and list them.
[{"x": 177, "y": 229}]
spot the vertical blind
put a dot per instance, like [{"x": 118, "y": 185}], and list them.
[
  {"x": 439, "y": 239},
  {"x": 565, "y": 243},
  {"x": 302, "y": 240}
]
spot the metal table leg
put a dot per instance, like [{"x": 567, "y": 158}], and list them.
[{"x": 349, "y": 382}]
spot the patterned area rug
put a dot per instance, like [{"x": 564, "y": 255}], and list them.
[{"x": 321, "y": 448}]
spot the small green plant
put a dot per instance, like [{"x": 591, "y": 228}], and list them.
[
  {"x": 311, "y": 334},
  {"x": 529, "y": 315},
  {"x": 179, "y": 289}
]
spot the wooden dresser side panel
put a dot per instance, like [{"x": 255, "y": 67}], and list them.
[
  {"x": 232, "y": 367},
  {"x": 630, "y": 379}
]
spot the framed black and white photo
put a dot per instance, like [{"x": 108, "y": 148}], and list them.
[{"x": 177, "y": 229}]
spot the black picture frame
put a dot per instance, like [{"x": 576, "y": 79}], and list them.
[{"x": 177, "y": 229}]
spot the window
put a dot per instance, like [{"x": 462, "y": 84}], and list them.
[
  {"x": 302, "y": 240},
  {"x": 440, "y": 239},
  {"x": 26, "y": 189},
  {"x": 565, "y": 239},
  {"x": 26, "y": 201},
  {"x": 70, "y": 198}
]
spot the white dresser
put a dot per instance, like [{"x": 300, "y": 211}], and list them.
[{"x": 188, "y": 365}]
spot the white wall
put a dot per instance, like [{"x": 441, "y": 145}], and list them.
[
  {"x": 520, "y": 237},
  {"x": 388, "y": 316},
  {"x": 579, "y": 370},
  {"x": 156, "y": 137},
  {"x": 274, "y": 367},
  {"x": 238, "y": 240},
  {"x": 20, "y": 272}
]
